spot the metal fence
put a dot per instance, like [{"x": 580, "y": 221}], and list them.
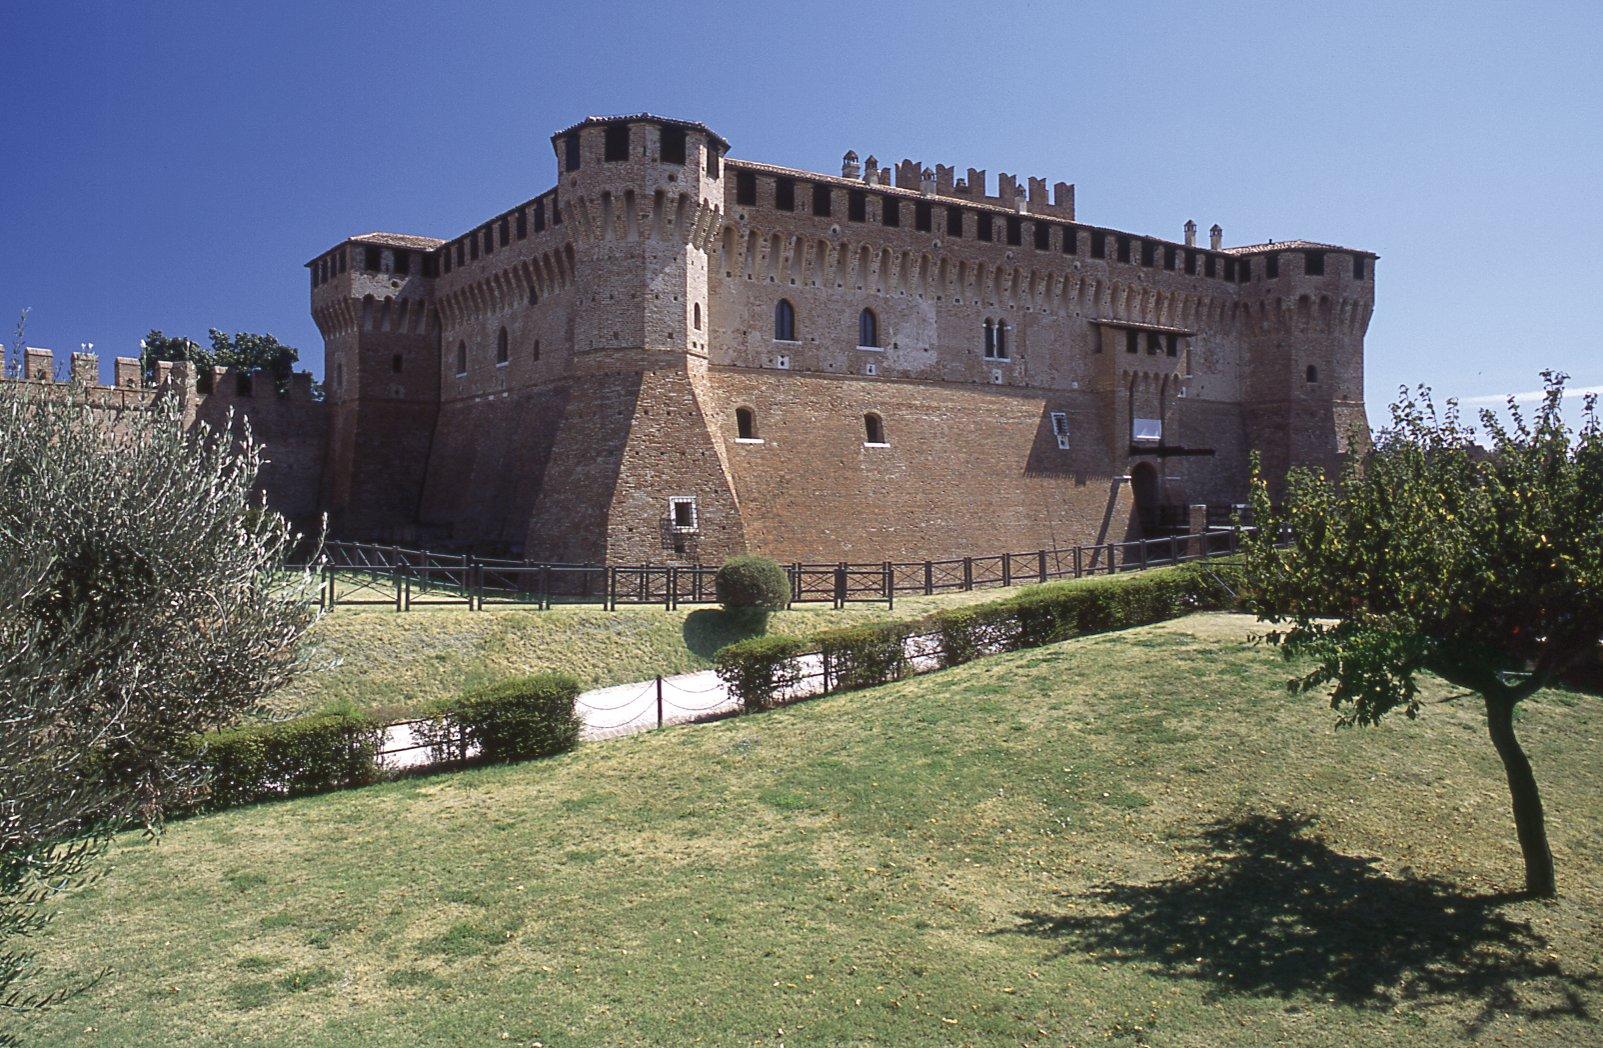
[{"x": 363, "y": 574}]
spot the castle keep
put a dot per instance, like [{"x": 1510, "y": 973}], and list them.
[{"x": 675, "y": 355}]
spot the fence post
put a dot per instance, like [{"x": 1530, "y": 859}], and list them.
[
  {"x": 399, "y": 578},
  {"x": 1144, "y": 542},
  {"x": 968, "y": 573},
  {"x": 673, "y": 587},
  {"x": 659, "y": 700},
  {"x": 1007, "y": 570},
  {"x": 890, "y": 585},
  {"x": 477, "y": 597},
  {"x": 1078, "y": 554},
  {"x": 840, "y": 585},
  {"x": 1041, "y": 557},
  {"x": 825, "y": 657},
  {"x": 929, "y": 578},
  {"x": 795, "y": 582},
  {"x": 612, "y": 588}
]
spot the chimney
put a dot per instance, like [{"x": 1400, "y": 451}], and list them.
[
  {"x": 1216, "y": 237},
  {"x": 848, "y": 165},
  {"x": 1191, "y": 233},
  {"x": 871, "y": 169},
  {"x": 926, "y": 184}
]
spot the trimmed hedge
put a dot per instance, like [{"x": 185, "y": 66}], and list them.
[
  {"x": 258, "y": 762},
  {"x": 512, "y": 720},
  {"x": 761, "y": 671},
  {"x": 752, "y": 584}
]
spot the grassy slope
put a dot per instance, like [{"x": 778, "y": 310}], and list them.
[
  {"x": 915, "y": 864},
  {"x": 379, "y": 660}
]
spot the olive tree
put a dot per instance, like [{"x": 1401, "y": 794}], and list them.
[
  {"x": 1482, "y": 566},
  {"x": 144, "y": 597}
]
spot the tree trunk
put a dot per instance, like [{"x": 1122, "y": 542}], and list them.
[{"x": 1528, "y": 820}]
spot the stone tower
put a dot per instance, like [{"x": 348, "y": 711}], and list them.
[{"x": 635, "y": 473}]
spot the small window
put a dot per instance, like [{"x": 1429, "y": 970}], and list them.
[
  {"x": 696, "y": 315},
  {"x": 1132, "y": 341},
  {"x": 745, "y": 188},
  {"x": 461, "y": 252},
  {"x": 785, "y": 194},
  {"x": 1099, "y": 244},
  {"x": 745, "y": 424},
  {"x": 821, "y": 201},
  {"x": 873, "y": 429},
  {"x": 1244, "y": 270},
  {"x": 1071, "y": 240},
  {"x": 502, "y": 355},
  {"x": 954, "y": 221},
  {"x": 1043, "y": 236},
  {"x": 446, "y": 257},
  {"x": 1314, "y": 263},
  {"x": 556, "y": 210},
  {"x": 983, "y": 225},
  {"x": 461, "y": 359},
  {"x": 1146, "y": 429},
  {"x": 1060, "y": 429},
  {"x": 370, "y": 259},
  {"x": 539, "y": 216},
  {"x": 395, "y": 363},
  {"x": 504, "y": 231},
  {"x": 1124, "y": 248},
  {"x": 673, "y": 145},
  {"x": 341, "y": 257},
  {"x": 682, "y": 513},
  {"x": 922, "y": 217},
  {"x": 473, "y": 248},
  {"x": 1210, "y": 266},
  {"x": 995, "y": 339},
  {"x": 616, "y": 143},
  {"x": 1015, "y": 230},
  {"x": 890, "y": 212},
  {"x": 536, "y": 353},
  {"x": 534, "y": 295},
  {"x": 1360, "y": 268},
  {"x": 1230, "y": 270},
  {"x": 489, "y": 240},
  {"x": 712, "y": 160},
  {"x": 1149, "y": 253},
  {"x": 856, "y": 205},
  {"x": 784, "y": 321},
  {"x": 1271, "y": 266},
  {"x": 867, "y": 328},
  {"x": 1191, "y": 262},
  {"x": 431, "y": 266},
  {"x": 570, "y": 150},
  {"x": 1171, "y": 257},
  {"x": 1154, "y": 343},
  {"x": 1172, "y": 345},
  {"x": 1312, "y": 374},
  {"x": 403, "y": 263},
  {"x": 523, "y": 224}
]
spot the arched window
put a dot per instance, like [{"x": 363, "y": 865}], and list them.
[
  {"x": 1312, "y": 374},
  {"x": 534, "y": 295},
  {"x": 784, "y": 321},
  {"x": 502, "y": 355},
  {"x": 867, "y": 328},
  {"x": 873, "y": 429},
  {"x": 698, "y": 316},
  {"x": 461, "y": 358},
  {"x": 745, "y": 424},
  {"x": 990, "y": 339}
]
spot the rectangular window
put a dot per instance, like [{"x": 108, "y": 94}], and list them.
[
  {"x": 556, "y": 210},
  {"x": 745, "y": 188},
  {"x": 1124, "y": 249},
  {"x": 1230, "y": 270},
  {"x": 983, "y": 225},
  {"x": 1271, "y": 266},
  {"x": 1060, "y": 429},
  {"x": 712, "y": 160},
  {"x": 682, "y": 513},
  {"x": 539, "y": 216},
  {"x": 341, "y": 257},
  {"x": 1360, "y": 269},
  {"x": 431, "y": 265},
  {"x": 523, "y": 224},
  {"x": 1071, "y": 240},
  {"x": 821, "y": 201},
  {"x": 856, "y": 205},
  {"x": 1149, "y": 253},
  {"x": 403, "y": 263},
  {"x": 1043, "y": 236},
  {"x": 1244, "y": 270},
  {"x": 617, "y": 142},
  {"x": 473, "y": 247},
  {"x": 890, "y": 212},
  {"x": 1099, "y": 244},
  {"x": 570, "y": 151},
  {"x": 785, "y": 194},
  {"x": 954, "y": 221},
  {"x": 1210, "y": 265},
  {"x": 1015, "y": 231},
  {"x": 489, "y": 240},
  {"x": 504, "y": 231},
  {"x": 1154, "y": 343},
  {"x": 1314, "y": 263},
  {"x": 673, "y": 145},
  {"x": 1171, "y": 256},
  {"x": 462, "y": 252},
  {"x": 1132, "y": 341},
  {"x": 370, "y": 259},
  {"x": 923, "y": 216},
  {"x": 1191, "y": 262},
  {"x": 1173, "y": 348},
  {"x": 446, "y": 254}
]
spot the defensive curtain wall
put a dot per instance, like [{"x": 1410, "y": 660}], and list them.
[{"x": 672, "y": 355}]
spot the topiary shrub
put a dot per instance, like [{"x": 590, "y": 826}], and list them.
[
  {"x": 512, "y": 720},
  {"x": 761, "y": 672},
  {"x": 257, "y": 762},
  {"x": 752, "y": 585}
]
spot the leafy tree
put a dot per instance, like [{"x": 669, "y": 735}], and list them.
[
  {"x": 156, "y": 347},
  {"x": 242, "y": 351},
  {"x": 1431, "y": 554},
  {"x": 144, "y": 598}
]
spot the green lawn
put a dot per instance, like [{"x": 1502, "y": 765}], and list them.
[
  {"x": 1135, "y": 838},
  {"x": 392, "y": 663}
]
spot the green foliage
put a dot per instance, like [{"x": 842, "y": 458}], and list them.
[
  {"x": 760, "y": 672},
  {"x": 242, "y": 351},
  {"x": 863, "y": 656},
  {"x": 752, "y": 584},
  {"x": 258, "y": 762},
  {"x": 1432, "y": 555},
  {"x": 512, "y": 720}
]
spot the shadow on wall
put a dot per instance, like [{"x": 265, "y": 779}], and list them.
[
  {"x": 709, "y": 629},
  {"x": 1271, "y": 910}
]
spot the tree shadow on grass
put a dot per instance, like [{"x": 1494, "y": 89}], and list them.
[
  {"x": 1272, "y": 910},
  {"x": 708, "y": 629}
]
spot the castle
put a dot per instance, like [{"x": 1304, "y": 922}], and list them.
[{"x": 674, "y": 355}]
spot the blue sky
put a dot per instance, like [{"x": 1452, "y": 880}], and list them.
[{"x": 173, "y": 165}]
